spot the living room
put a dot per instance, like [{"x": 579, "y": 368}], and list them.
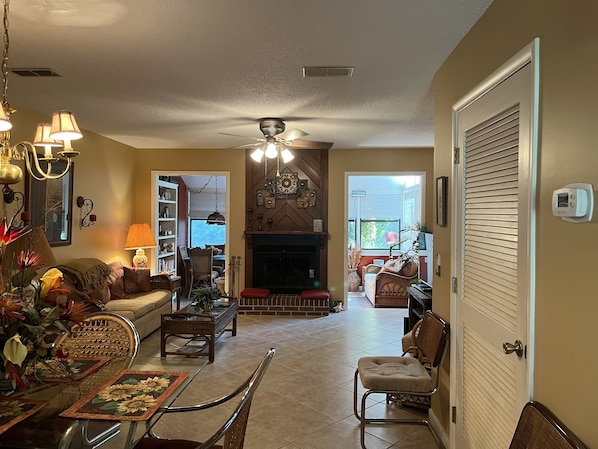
[{"x": 119, "y": 177}]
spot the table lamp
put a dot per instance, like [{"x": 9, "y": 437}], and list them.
[{"x": 140, "y": 236}]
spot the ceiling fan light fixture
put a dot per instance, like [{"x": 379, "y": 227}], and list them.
[
  {"x": 287, "y": 156},
  {"x": 271, "y": 151},
  {"x": 257, "y": 155}
]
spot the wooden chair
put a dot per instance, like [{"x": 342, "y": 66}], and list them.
[
  {"x": 201, "y": 263},
  {"x": 103, "y": 334},
  {"x": 539, "y": 428},
  {"x": 186, "y": 270},
  {"x": 233, "y": 429},
  {"x": 403, "y": 376}
]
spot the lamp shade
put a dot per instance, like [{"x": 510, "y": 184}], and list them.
[
  {"x": 140, "y": 236},
  {"x": 42, "y": 136},
  {"x": 64, "y": 126}
]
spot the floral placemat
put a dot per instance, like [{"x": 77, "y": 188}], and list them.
[
  {"x": 14, "y": 410},
  {"x": 128, "y": 396},
  {"x": 66, "y": 370}
]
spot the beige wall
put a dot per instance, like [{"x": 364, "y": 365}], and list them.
[
  {"x": 363, "y": 161},
  {"x": 230, "y": 162},
  {"x": 118, "y": 180},
  {"x": 104, "y": 173},
  {"x": 566, "y": 303}
]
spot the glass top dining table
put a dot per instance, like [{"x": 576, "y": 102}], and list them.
[{"x": 45, "y": 429}]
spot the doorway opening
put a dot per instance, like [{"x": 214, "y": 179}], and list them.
[
  {"x": 201, "y": 194},
  {"x": 381, "y": 208}
]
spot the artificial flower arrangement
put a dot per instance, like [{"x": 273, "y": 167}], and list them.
[{"x": 34, "y": 313}]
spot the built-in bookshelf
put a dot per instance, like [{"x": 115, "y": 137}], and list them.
[{"x": 167, "y": 226}]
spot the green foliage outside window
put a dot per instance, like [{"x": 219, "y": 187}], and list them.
[
  {"x": 203, "y": 234},
  {"x": 373, "y": 233}
]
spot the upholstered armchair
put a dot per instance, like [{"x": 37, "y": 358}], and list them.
[{"x": 387, "y": 286}]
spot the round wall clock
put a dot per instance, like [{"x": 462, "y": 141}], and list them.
[{"x": 287, "y": 183}]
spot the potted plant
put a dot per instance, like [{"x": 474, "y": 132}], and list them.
[{"x": 204, "y": 296}]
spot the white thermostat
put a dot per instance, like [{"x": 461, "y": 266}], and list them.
[{"x": 574, "y": 202}]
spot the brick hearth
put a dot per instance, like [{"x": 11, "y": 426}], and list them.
[{"x": 284, "y": 305}]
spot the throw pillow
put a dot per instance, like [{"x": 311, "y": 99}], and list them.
[
  {"x": 116, "y": 282},
  {"x": 137, "y": 280}
]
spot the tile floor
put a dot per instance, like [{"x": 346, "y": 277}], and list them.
[{"x": 305, "y": 399}]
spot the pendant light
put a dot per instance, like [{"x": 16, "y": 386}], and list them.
[{"x": 216, "y": 217}]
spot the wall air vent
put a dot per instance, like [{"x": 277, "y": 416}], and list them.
[
  {"x": 35, "y": 72},
  {"x": 309, "y": 72}
]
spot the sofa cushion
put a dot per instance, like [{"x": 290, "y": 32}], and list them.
[
  {"x": 139, "y": 304},
  {"x": 255, "y": 293},
  {"x": 137, "y": 280}
]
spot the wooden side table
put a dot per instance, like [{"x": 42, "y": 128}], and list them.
[
  {"x": 176, "y": 287},
  {"x": 169, "y": 282}
]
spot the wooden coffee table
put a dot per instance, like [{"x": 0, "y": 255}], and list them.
[{"x": 200, "y": 329}]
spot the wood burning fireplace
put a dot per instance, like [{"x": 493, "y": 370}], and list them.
[
  {"x": 285, "y": 251},
  {"x": 286, "y": 262}
]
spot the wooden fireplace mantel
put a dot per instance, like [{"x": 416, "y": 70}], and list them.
[{"x": 249, "y": 236}]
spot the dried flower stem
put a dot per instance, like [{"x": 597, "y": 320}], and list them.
[{"x": 354, "y": 257}]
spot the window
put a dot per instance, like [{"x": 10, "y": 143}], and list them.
[
  {"x": 379, "y": 204},
  {"x": 203, "y": 234},
  {"x": 373, "y": 233}
]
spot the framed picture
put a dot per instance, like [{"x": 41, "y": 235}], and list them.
[
  {"x": 441, "y": 184},
  {"x": 50, "y": 204}
]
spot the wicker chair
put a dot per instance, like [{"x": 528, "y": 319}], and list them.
[
  {"x": 233, "y": 430},
  {"x": 202, "y": 266},
  {"x": 103, "y": 334},
  {"x": 539, "y": 428},
  {"x": 397, "y": 377}
]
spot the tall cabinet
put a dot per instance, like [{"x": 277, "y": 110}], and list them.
[{"x": 166, "y": 229}]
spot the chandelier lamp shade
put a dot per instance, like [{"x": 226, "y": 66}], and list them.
[
  {"x": 216, "y": 217},
  {"x": 140, "y": 236},
  {"x": 59, "y": 133}
]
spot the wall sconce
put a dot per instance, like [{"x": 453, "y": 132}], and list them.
[
  {"x": 87, "y": 218},
  {"x": 9, "y": 196}
]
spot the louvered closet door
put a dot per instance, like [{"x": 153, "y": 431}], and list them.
[{"x": 493, "y": 223}]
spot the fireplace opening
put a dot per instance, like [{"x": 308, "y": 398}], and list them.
[{"x": 286, "y": 263}]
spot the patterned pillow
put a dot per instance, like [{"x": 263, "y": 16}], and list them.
[
  {"x": 116, "y": 281},
  {"x": 137, "y": 280}
]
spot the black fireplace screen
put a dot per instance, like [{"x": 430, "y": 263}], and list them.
[{"x": 286, "y": 263}]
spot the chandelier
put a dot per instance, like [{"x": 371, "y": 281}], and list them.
[{"x": 59, "y": 133}]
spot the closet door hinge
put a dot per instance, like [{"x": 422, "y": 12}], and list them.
[
  {"x": 454, "y": 285},
  {"x": 454, "y": 415},
  {"x": 456, "y": 155}
]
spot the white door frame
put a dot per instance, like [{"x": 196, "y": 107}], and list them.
[{"x": 528, "y": 55}]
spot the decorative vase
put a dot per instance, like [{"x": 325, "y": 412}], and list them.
[{"x": 353, "y": 280}]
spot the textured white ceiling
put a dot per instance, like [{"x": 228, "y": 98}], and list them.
[{"x": 177, "y": 73}]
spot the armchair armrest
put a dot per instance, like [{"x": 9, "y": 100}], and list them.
[
  {"x": 392, "y": 284},
  {"x": 370, "y": 268}
]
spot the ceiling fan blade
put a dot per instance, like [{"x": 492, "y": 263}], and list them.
[
  {"x": 291, "y": 134},
  {"x": 258, "y": 139},
  {"x": 309, "y": 144}
]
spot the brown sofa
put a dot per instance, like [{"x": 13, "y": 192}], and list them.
[
  {"x": 133, "y": 294},
  {"x": 386, "y": 286}
]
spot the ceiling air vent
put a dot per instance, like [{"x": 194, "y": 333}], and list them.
[
  {"x": 35, "y": 72},
  {"x": 309, "y": 72}
]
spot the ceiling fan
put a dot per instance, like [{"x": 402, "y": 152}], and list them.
[{"x": 277, "y": 142}]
